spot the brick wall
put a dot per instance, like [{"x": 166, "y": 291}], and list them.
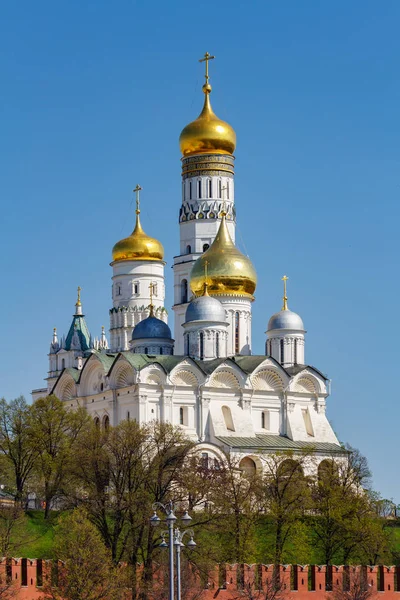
[{"x": 226, "y": 582}]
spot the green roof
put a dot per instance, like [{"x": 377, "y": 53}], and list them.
[
  {"x": 279, "y": 443},
  {"x": 79, "y": 325}
]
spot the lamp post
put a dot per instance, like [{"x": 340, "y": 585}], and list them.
[{"x": 174, "y": 539}]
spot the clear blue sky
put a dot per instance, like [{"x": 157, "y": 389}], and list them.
[{"x": 93, "y": 98}]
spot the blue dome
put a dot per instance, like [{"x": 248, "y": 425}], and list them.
[
  {"x": 151, "y": 328},
  {"x": 286, "y": 319},
  {"x": 205, "y": 308}
]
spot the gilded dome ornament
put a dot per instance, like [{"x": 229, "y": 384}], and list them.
[
  {"x": 207, "y": 134},
  {"x": 139, "y": 245},
  {"x": 229, "y": 272}
]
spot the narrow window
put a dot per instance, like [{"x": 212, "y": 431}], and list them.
[
  {"x": 190, "y": 190},
  {"x": 217, "y": 345},
  {"x": 161, "y": 350},
  {"x": 184, "y": 291},
  {"x": 106, "y": 423},
  {"x": 282, "y": 346},
  {"x": 63, "y": 363},
  {"x": 128, "y": 416},
  {"x": 181, "y": 416},
  {"x": 265, "y": 424},
  {"x": 188, "y": 249},
  {"x": 226, "y": 412},
  {"x": 39, "y": 572},
  {"x": 118, "y": 289},
  {"x": 187, "y": 344},
  {"x": 146, "y": 350},
  {"x": 209, "y": 188},
  {"x": 237, "y": 332},
  {"x": 227, "y": 189},
  {"x": 201, "y": 346},
  {"x": 204, "y": 460},
  {"x": 205, "y": 247},
  {"x": 199, "y": 187},
  {"x": 219, "y": 188},
  {"x": 307, "y": 422},
  {"x": 295, "y": 352},
  {"x": 136, "y": 288}
]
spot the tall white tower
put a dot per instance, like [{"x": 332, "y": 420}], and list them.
[
  {"x": 137, "y": 264},
  {"x": 207, "y": 145}
]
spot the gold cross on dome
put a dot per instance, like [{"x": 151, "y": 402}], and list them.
[
  {"x": 207, "y": 57},
  {"x": 206, "y": 263},
  {"x": 137, "y": 192},
  {"x": 152, "y": 288},
  {"x": 223, "y": 194},
  {"x": 285, "y": 306}
]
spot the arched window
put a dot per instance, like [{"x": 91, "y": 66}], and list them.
[
  {"x": 136, "y": 288},
  {"x": 209, "y": 188},
  {"x": 161, "y": 350},
  {"x": 118, "y": 289},
  {"x": 181, "y": 416},
  {"x": 199, "y": 188},
  {"x": 106, "y": 423},
  {"x": 219, "y": 188},
  {"x": 205, "y": 247},
  {"x": 217, "y": 345},
  {"x": 187, "y": 344},
  {"x": 184, "y": 291},
  {"x": 295, "y": 352},
  {"x": 226, "y": 412},
  {"x": 63, "y": 363},
  {"x": 188, "y": 249},
  {"x": 290, "y": 468},
  {"x": 248, "y": 466},
  {"x": 265, "y": 420},
  {"x": 201, "y": 346},
  {"x": 97, "y": 422},
  {"x": 282, "y": 347},
  {"x": 146, "y": 350},
  {"x": 190, "y": 190},
  {"x": 328, "y": 472},
  {"x": 237, "y": 332},
  {"x": 102, "y": 387}
]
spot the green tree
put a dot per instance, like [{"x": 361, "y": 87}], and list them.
[
  {"x": 53, "y": 432},
  {"x": 285, "y": 497},
  {"x": 88, "y": 572},
  {"x": 341, "y": 507},
  {"x": 16, "y": 445}
]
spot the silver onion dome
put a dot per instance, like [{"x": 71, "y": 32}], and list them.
[
  {"x": 286, "y": 319},
  {"x": 205, "y": 308},
  {"x": 151, "y": 328}
]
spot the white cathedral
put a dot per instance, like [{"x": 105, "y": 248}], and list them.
[{"x": 205, "y": 380}]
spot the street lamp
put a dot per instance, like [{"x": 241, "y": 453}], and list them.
[
  {"x": 178, "y": 543},
  {"x": 175, "y": 538}
]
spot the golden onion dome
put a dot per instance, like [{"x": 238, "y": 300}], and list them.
[
  {"x": 229, "y": 272},
  {"x": 138, "y": 246},
  {"x": 207, "y": 134}
]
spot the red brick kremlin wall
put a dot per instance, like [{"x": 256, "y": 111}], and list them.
[{"x": 309, "y": 582}]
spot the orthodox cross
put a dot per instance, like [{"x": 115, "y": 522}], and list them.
[
  {"x": 223, "y": 193},
  {"x": 284, "y": 279},
  {"x": 152, "y": 287},
  {"x": 206, "y": 263},
  {"x": 78, "y": 302},
  {"x": 207, "y": 57},
  {"x": 137, "y": 192}
]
